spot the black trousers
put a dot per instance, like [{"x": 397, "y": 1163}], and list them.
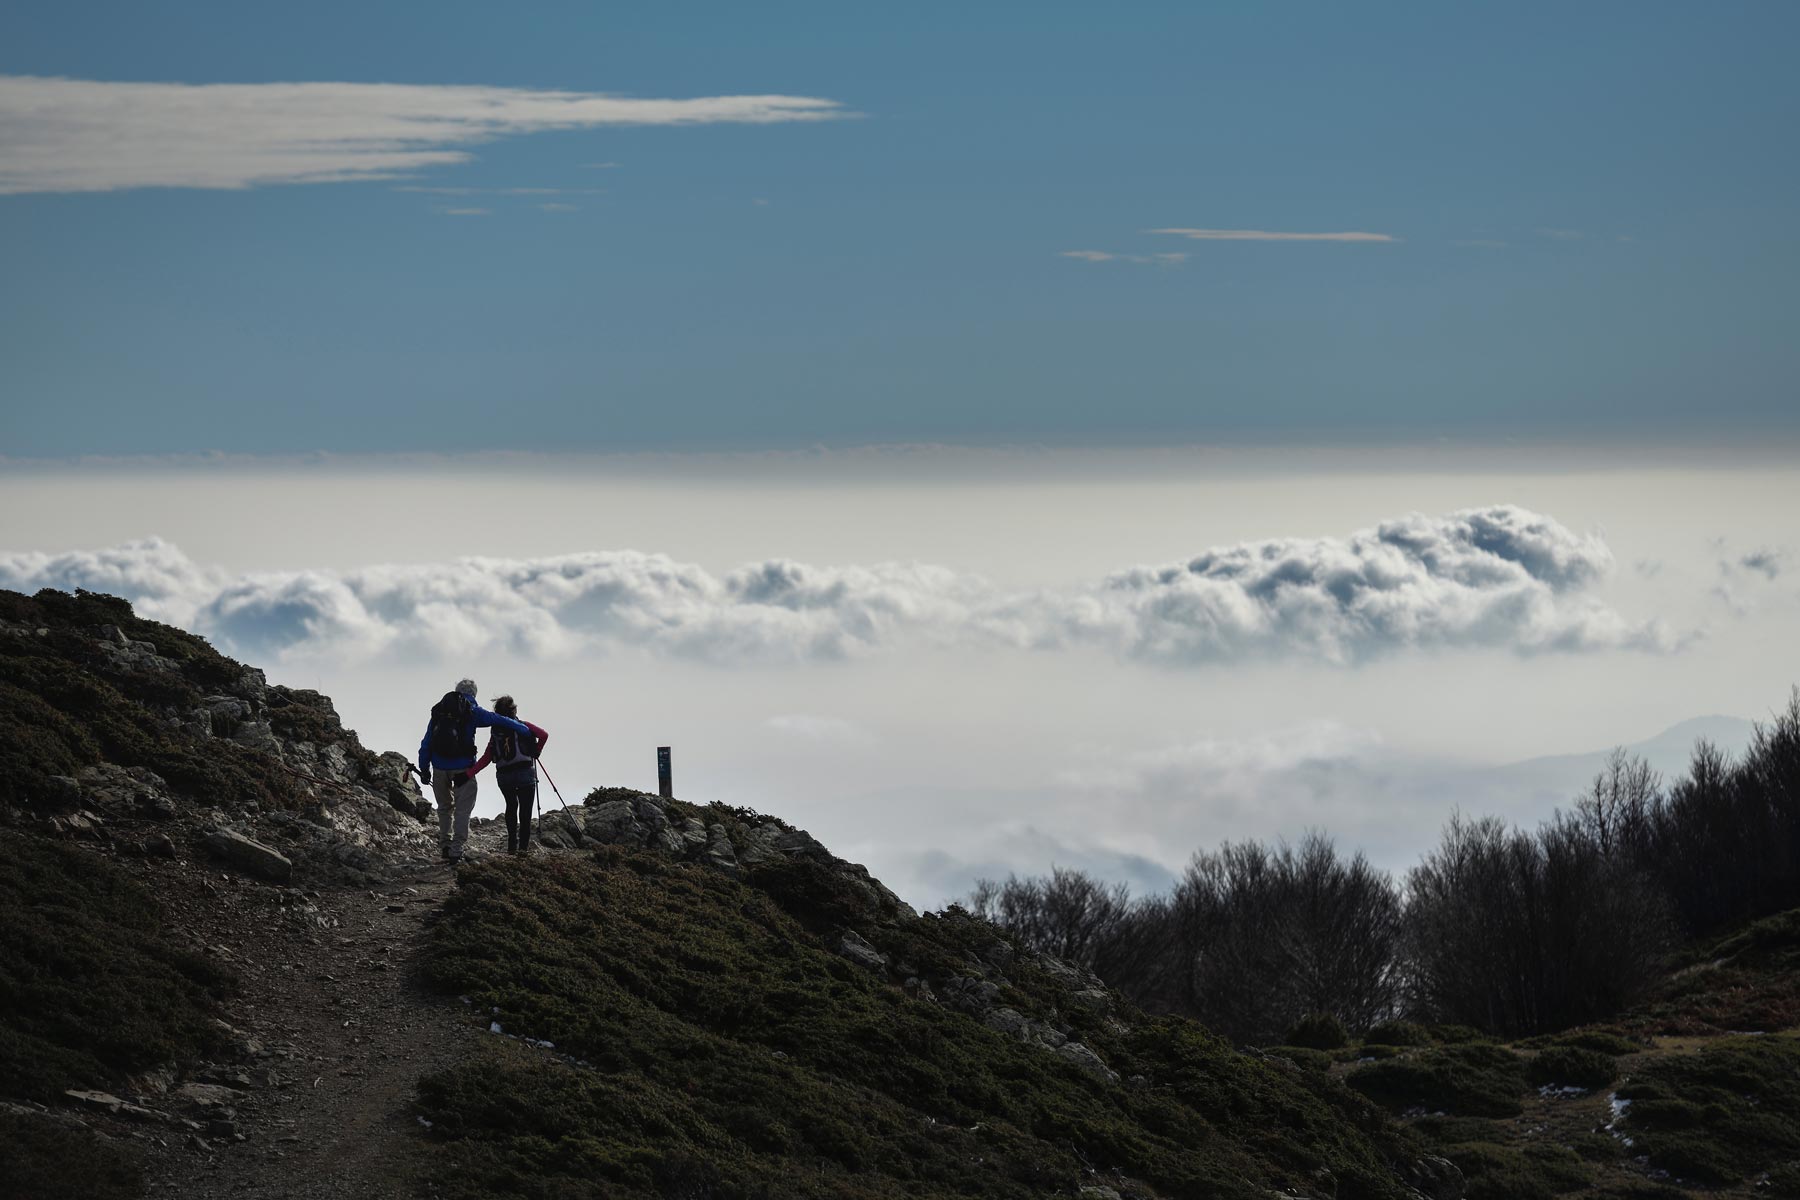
[{"x": 520, "y": 790}]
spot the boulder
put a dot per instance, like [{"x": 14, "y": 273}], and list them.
[
  {"x": 251, "y": 857},
  {"x": 1009, "y": 1022},
  {"x": 1094, "y": 1000},
  {"x": 858, "y": 951},
  {"x": 721, "y": 855},
  {"x": 1080, "y": 1056},
  {"x": 1437, "y": 1178}
]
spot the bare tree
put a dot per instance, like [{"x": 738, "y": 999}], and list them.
[{"x": 1272, "y": 934}]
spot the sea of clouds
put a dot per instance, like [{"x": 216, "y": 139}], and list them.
[{"x": 1498, "y": 577}]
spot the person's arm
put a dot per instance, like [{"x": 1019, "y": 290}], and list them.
[
  {"x": 538, "y": 733},
  {"x": 487, "y": 756},
  {"x": 485, "y": 719},
  {"x": 425, "y": 752}
]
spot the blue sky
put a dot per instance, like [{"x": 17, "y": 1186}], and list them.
[{"x": 1591, "y": 206}]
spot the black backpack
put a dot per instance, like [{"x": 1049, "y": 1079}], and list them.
[{"x": 452, "y": 727}]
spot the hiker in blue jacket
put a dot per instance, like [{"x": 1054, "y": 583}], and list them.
[{"x": 446, "y": 755}]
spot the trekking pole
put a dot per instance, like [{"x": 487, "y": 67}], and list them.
[{"x": 552, "y": 783}]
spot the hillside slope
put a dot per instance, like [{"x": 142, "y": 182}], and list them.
[{"x": 734, "y": 1011}]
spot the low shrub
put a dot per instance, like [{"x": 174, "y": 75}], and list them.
[
  {"x": 1572, "y": 1066},
  {"x": 1397, "y": 1033},
  {"x": 1301, "y": 1056},
  {"x": 1476, "y": 1080},
  {"x": 1535, "y": 1172},
  {"x": 44, "y": 1161},
  {"x": 90, "y": 986},
  {"x": 1720, "y": 1115},
  {"x": 1318, "y": 1031}
]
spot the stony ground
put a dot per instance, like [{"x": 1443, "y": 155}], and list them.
[{"x": 334, "y": 1032}]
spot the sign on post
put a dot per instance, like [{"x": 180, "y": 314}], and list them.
[{"x": 665, "y": 786}]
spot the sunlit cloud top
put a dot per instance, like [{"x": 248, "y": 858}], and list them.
[{"x": 1495, "y": 578}]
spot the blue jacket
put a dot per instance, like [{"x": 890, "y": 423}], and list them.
[{"x": 483, "y": 719}]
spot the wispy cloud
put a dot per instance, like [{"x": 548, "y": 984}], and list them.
[
  {"x": 1560, "y": 235},
  {"x": 1497, "y": 578},
  {"x": 505, "y": 191},
  {"x": 558, "y": 208},
  {"x": 1487, "y": 243},
  {"x": 81, "y": 135},
  {"x": 1166, "y": 258},
  {"x": 1266, "y": 235},
  {"x": 467, "y": 212}
]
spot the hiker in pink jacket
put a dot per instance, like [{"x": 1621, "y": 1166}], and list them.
[{"x": 514, "y": 756}]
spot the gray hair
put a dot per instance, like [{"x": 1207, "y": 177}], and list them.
[{"x": 466, "y": 687}]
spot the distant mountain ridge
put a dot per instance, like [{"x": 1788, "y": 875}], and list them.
[{"x": 1559, "y": 778}]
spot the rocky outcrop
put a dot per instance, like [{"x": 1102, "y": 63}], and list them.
[
  {"x": 248, "y": 855},
  {"x": 1437, "y": 1178},
  {"x": 734, "y": 842},
  {"x": 261, "y": 777}
]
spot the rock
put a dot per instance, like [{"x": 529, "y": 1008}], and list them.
[
  {"x": 1008, "y": 1021},
  {"x": 1093, "y": 1000},
  {"x": 196, "y": 1142},
  {"x": 970, "y": 995},
  {"x": 257, "y": 735},
  {"x": 919, "y": 989},
  {"x": 561, "y": 830},
  {"x": 1437, "y": 1178},
  {"x": 997, "y": 954},
  {"x": 858, "y": 951},
  {"x": 104, "y": 1102},
  {"x": 249, "y": 856},
  {"x": 208, "y": 1097},
  {"x": 1080, "y": 1056},
  {"x": 154, "y": 807},
  {"x": 721, "y": 856},
  {"x": 1093, "y": 1192},
  {"x": 84, "y": 825}
]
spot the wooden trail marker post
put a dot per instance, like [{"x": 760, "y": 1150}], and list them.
[{"x": 665, "y": 785}]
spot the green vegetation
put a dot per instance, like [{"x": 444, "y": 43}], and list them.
[
  {"x": 1318, "y": 1031},
  {"x": 1572, "y": 1066},
  {"x": 1536, "y": 1172},
  {"x": 45, "y": 1161},
  {"x": 92, "y": 990},
  {"x": 91, "y": 987},
  {"x": 1721, "y": 1115},
  {"x": 733, "y": 1054},
  {"x": 1474, "y": 1080},
  {"x": 1397, "y": 1033},
  {"x": 1747, "y": 981}
]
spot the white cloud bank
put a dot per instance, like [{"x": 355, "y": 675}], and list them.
[
  {"x": 1500, "y": 577},
  {"x": 79, "y": 135}
]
